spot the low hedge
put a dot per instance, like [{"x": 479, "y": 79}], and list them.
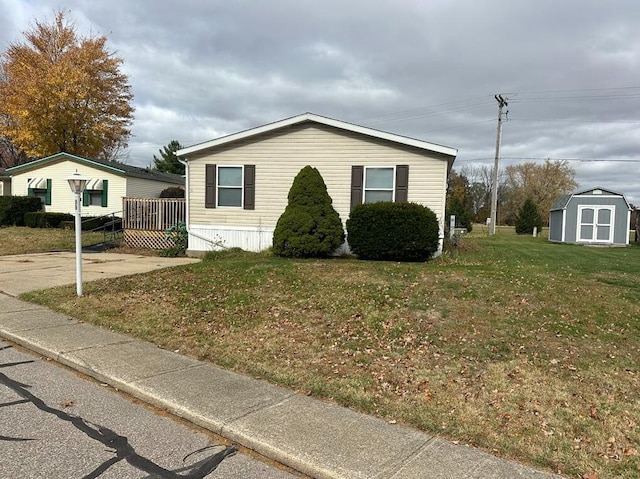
[
  {"x": 393, "y": 231},
  {"x": 13, "y": 209},
  {"x": 43, "y": 219}
]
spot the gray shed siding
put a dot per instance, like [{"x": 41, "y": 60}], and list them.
[
  {"x": 570, "y": 227},
  {"x": 555, "y": 225}
]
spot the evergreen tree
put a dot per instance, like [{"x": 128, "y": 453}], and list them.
[
  {"x": 528, "y": 217},
  {"x": 168, "y": 161},
  {"x": 459, "y": 201},
  {"x": 309, "y": 226}
]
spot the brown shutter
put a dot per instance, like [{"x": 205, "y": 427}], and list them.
[
  {"x": 357, "y": 176},
  {"x": 402, "y": 183},
  {"x": 249, "y": 187},
  {"x": 210, "y": 186}
]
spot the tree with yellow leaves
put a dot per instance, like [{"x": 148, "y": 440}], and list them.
[{"x": 63, "y": 93}]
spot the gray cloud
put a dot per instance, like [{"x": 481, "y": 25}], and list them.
[{"x": 200, "y": 69}]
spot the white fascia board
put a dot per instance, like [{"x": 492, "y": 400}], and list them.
[{"x": 445, "y": 150}]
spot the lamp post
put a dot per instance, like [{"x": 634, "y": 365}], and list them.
[{"x": 77, "y": 183}]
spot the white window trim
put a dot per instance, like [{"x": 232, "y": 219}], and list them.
[
  {"x": 229, "y": 187},
  {"x": 393, "y": 185},
  {"x": 595, "y": 224}
]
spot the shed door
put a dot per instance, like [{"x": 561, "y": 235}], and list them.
[{"x": 595, "y": 224}]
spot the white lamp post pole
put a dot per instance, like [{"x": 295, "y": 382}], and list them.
[{"x": 77, "y": 184}]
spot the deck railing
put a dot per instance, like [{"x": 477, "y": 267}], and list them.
[
  {"x": 145, "y": 221},
  {"x": 152, "y": 214}
]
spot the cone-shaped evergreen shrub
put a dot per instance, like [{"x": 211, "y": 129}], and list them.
[
  {"x": 527, "y": 218},
  {"x": 309, "y": 227},
  {"x": 393, "y": 231}
]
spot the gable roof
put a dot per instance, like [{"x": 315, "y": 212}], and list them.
[
  {"x": 562, "y": 201},
  {"x": 109, "y": 166},
  {"x": 323, "y": 120}
]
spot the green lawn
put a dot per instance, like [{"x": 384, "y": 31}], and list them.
[{"x": 528, "y": 349}]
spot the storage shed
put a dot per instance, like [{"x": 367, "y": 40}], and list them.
[{"x": 593, "y": 216}]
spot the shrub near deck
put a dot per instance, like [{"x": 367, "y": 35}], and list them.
[{"x": 524, "y": 348}]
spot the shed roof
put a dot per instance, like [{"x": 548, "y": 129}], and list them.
[
  {"x": 562, "y": 201},
  {"x": 110, "y": 166},
  {"x": 311, "y": 117}
]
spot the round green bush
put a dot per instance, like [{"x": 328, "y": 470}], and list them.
[
  {"x": 393, "y": 231},
  {"x": 172, "y": 192},
  {"x": 309, "y": 227}
]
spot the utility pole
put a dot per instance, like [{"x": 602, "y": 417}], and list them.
[{"x": 502, "y": 102}]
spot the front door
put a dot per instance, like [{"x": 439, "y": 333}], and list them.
[{"x": 595, "y": 224}]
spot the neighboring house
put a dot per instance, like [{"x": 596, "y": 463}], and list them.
[
  {"x": 593, "y": 216},
  {"x": 109, "y": 183},
  {"x": 5, "y": 183},
  {"x": 237, "y": 185}
]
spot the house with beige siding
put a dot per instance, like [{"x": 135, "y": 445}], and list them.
[
  {"x": 237, "y": 185},
  {"x": 108, "y": 183}
]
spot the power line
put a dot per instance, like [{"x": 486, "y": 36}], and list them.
[
  {"x": 573, "y": 120},
  {"x": 582, "y": 160},
  {"x": 575, "y": 90},
  {"x": 383, "y": 116}
]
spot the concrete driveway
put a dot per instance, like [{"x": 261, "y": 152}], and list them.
[{"x": 29, "y": 272}]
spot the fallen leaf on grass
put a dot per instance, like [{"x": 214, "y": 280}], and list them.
[{"x": 590, "y": 475}]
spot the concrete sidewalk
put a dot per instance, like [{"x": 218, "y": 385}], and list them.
[
  {"x": 29, "y": 272},
  {"x": 314, "y": 437}
]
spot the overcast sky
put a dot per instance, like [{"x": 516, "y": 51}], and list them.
[{"x": 428, "y": 69}]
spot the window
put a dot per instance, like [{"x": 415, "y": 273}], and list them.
[
  {"x": 370, "y": 184},
  {"x": 95, "y": 197},
  {"x": 230, "y": 186},
  {"x": 42, "y": 194},
  {"x": 96, "y": 193},
  {"x": 378, "y": 184},
  {"x": 40, "y": 188}
]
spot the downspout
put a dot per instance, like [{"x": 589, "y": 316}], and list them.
[{"x": 186, "y": 195}]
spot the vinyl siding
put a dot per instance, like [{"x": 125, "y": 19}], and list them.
[
  {"x": 279, "y": 156},
  {"x": 62, "y": 199},
  {"x": 142, "y": 188}
]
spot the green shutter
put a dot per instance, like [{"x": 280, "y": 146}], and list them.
[
  {"x": 105, "y": 192},
  {"x": 85, "y": 197},
  {"x": 47, "y": 198},
  {"x": 30, "y": 192}
]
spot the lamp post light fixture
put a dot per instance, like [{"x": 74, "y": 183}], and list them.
[{"x": 77, "y": 183}]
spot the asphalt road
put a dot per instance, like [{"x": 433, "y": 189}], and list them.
[{"x": 56, "y": 424}]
